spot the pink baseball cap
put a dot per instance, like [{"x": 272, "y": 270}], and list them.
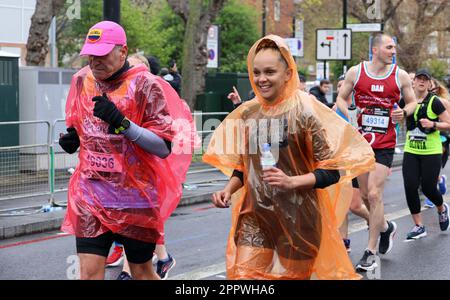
[{"x": 102, "y": 38}]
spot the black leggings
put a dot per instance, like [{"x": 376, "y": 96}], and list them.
[
  {"x": 445, "y": 150},
  {"x": 423, "y": 170}
]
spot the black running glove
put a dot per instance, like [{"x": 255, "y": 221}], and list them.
[
  {"x": 70, "y": 141},
  {"x": 107, "y": 111}
]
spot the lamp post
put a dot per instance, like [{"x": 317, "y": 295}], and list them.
[
  {"x": 344, "y": 26},
  {"x": 264, "y": 16},
  {"x": 111, "y": 10}
]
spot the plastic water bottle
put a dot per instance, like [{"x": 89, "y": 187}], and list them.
[
  {"x": 49, "y": 208},
  {"x": 353, "y": 115},
  {"x": 394, "y": 108},
  {"x": 267, "y": 159}
]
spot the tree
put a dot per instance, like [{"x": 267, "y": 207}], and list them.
[
  {"x": 410, "y": 21},
  {"x": 37, "y": 44},
  {"x": 238, "y": 31},
  {"x": 197, "y": 15}
]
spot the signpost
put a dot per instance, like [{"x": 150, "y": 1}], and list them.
[
  {"x": 365, "y": 27},
  {"x": 333, "y": 44},
  {"x": 212, "y": 43}
]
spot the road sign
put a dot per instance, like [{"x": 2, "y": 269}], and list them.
[
  {"x": 333, "y": 44},
  {"x": 212, "y": 43},
  {"x": 299, "y": 34},
  {"x": 296, "y": 46},
  {"x": 365, "y": 27}
]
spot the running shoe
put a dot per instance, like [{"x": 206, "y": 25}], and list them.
[
  {"x": 443, "y": 218},
  {"x": 116, "y": 257},
  {"x": 428, "y": 203},
  {"x": 386, "y": 238},
  {"x": 367, "y": 262},
  {"x": 154, "y": 258},
  {"x": 164, "y": 266},
  {"x": 124, "y": 276},
  {"x": 347, "y": 245},
  {"x": 416, "y": 233},
  {"x": 442, "y": 185}
]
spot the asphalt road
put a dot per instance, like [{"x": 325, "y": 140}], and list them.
[{"x": 197, "y": 234}]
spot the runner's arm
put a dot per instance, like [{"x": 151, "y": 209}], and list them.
[
  {"x": 408, "y": 93},
  {"x": 346, "y": 90},
  {"x": 147, "y": 140}
]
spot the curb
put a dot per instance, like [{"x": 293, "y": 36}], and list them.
[{"x": 43, "y": 222}]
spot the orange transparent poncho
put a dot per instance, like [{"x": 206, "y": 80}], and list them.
[
  {"x": 288, "y": 234},
  {"x": 117, "y": 186}
]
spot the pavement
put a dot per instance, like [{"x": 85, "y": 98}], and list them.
[{"x": 20, "y": 217}]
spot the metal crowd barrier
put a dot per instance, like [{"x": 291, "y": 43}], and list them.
[
  {"x": 42, "y": 168},
  {"x": 24, "y": 166}
]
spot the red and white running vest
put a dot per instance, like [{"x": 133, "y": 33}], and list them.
[{"x": 375, "y": 98}]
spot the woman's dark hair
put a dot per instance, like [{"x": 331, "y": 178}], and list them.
[{"x": 154, "y": 65}]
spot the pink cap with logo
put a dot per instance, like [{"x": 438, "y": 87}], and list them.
[{"x": 102, "y": 38}]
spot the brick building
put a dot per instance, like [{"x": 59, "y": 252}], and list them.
[{"x": 279, "y": 16}]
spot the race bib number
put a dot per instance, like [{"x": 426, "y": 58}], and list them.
[
  {"x": 103, "y": 159},
  {"x": 375, "y": 119},
  {"x": 104, "y": 162}
]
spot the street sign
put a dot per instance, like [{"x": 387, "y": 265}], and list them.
[
  {"x": 212, "y": 43},
  {"x": 365, "y": 27},
  {"x": 295, "y": 45},
  {"x": 333, "y": 44},
  {"x": 299, "y": 34}
]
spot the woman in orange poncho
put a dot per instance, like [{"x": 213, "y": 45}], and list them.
[{"x": 285, "y": 222}]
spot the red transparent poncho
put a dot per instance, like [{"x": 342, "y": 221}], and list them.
[
  {"x": 288, "y": 234},
  {"x": 117, "y": 186}
]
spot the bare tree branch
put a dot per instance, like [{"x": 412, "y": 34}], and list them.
[{"x": 181, "y": 8}]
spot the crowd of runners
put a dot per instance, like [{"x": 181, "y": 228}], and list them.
[{"x": 296, "y": 167}]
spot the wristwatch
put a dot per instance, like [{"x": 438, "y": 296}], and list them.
[
  {"x": 124, "y": 125},
  {"x": 405, "y": 114}
]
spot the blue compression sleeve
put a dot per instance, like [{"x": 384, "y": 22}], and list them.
[{"x": 147, "y": 140}]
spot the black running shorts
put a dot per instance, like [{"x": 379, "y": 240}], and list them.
[
  {"x": 137, "y": 252},
  {"x": 384, "y": 156}
]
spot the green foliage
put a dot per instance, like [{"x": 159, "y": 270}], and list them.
[
  {"x": 71, "y": 38},
  {"x": 438, "y": 68},
  {"x": 156, "y": 30},
  {"x": 165, "y": 34},
  {"x": 238, "y": 32}
]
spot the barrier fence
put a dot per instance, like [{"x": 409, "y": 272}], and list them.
[{"x": 38, "y": 166}]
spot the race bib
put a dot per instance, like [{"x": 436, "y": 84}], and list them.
[
  {"x": 104, "y": 162},
  {"x": 417, "y": 135},
  {"x": 375, "y": 119},
  {"x": 103, "y": 158}
]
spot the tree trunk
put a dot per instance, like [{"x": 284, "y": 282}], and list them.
[
  {"x": 37, "y": 44},
  {"x": 198, "y": 15},
  {"x": 195, "y": 56}
]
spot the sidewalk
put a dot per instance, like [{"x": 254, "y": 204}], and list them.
[{"x": 199, "y": 188}]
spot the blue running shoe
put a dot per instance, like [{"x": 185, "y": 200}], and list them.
[
  {"x": 442, "y": 185},
  {"x": 124, "y": 276},
  {"x": 444, "y": 218},
  {"x": 347, "y": 245},
  {"x": 428, "y": 203},
  {"x": 164, "y": 266},
  {"x": 416, "y": 233}
]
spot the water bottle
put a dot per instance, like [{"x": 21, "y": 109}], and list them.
[
  {"x": 49, "y": 208},
  {"x": 394, "y": 108},
  {"x": 267, "y": 159},
  {"x": 353, "y": 115}
]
